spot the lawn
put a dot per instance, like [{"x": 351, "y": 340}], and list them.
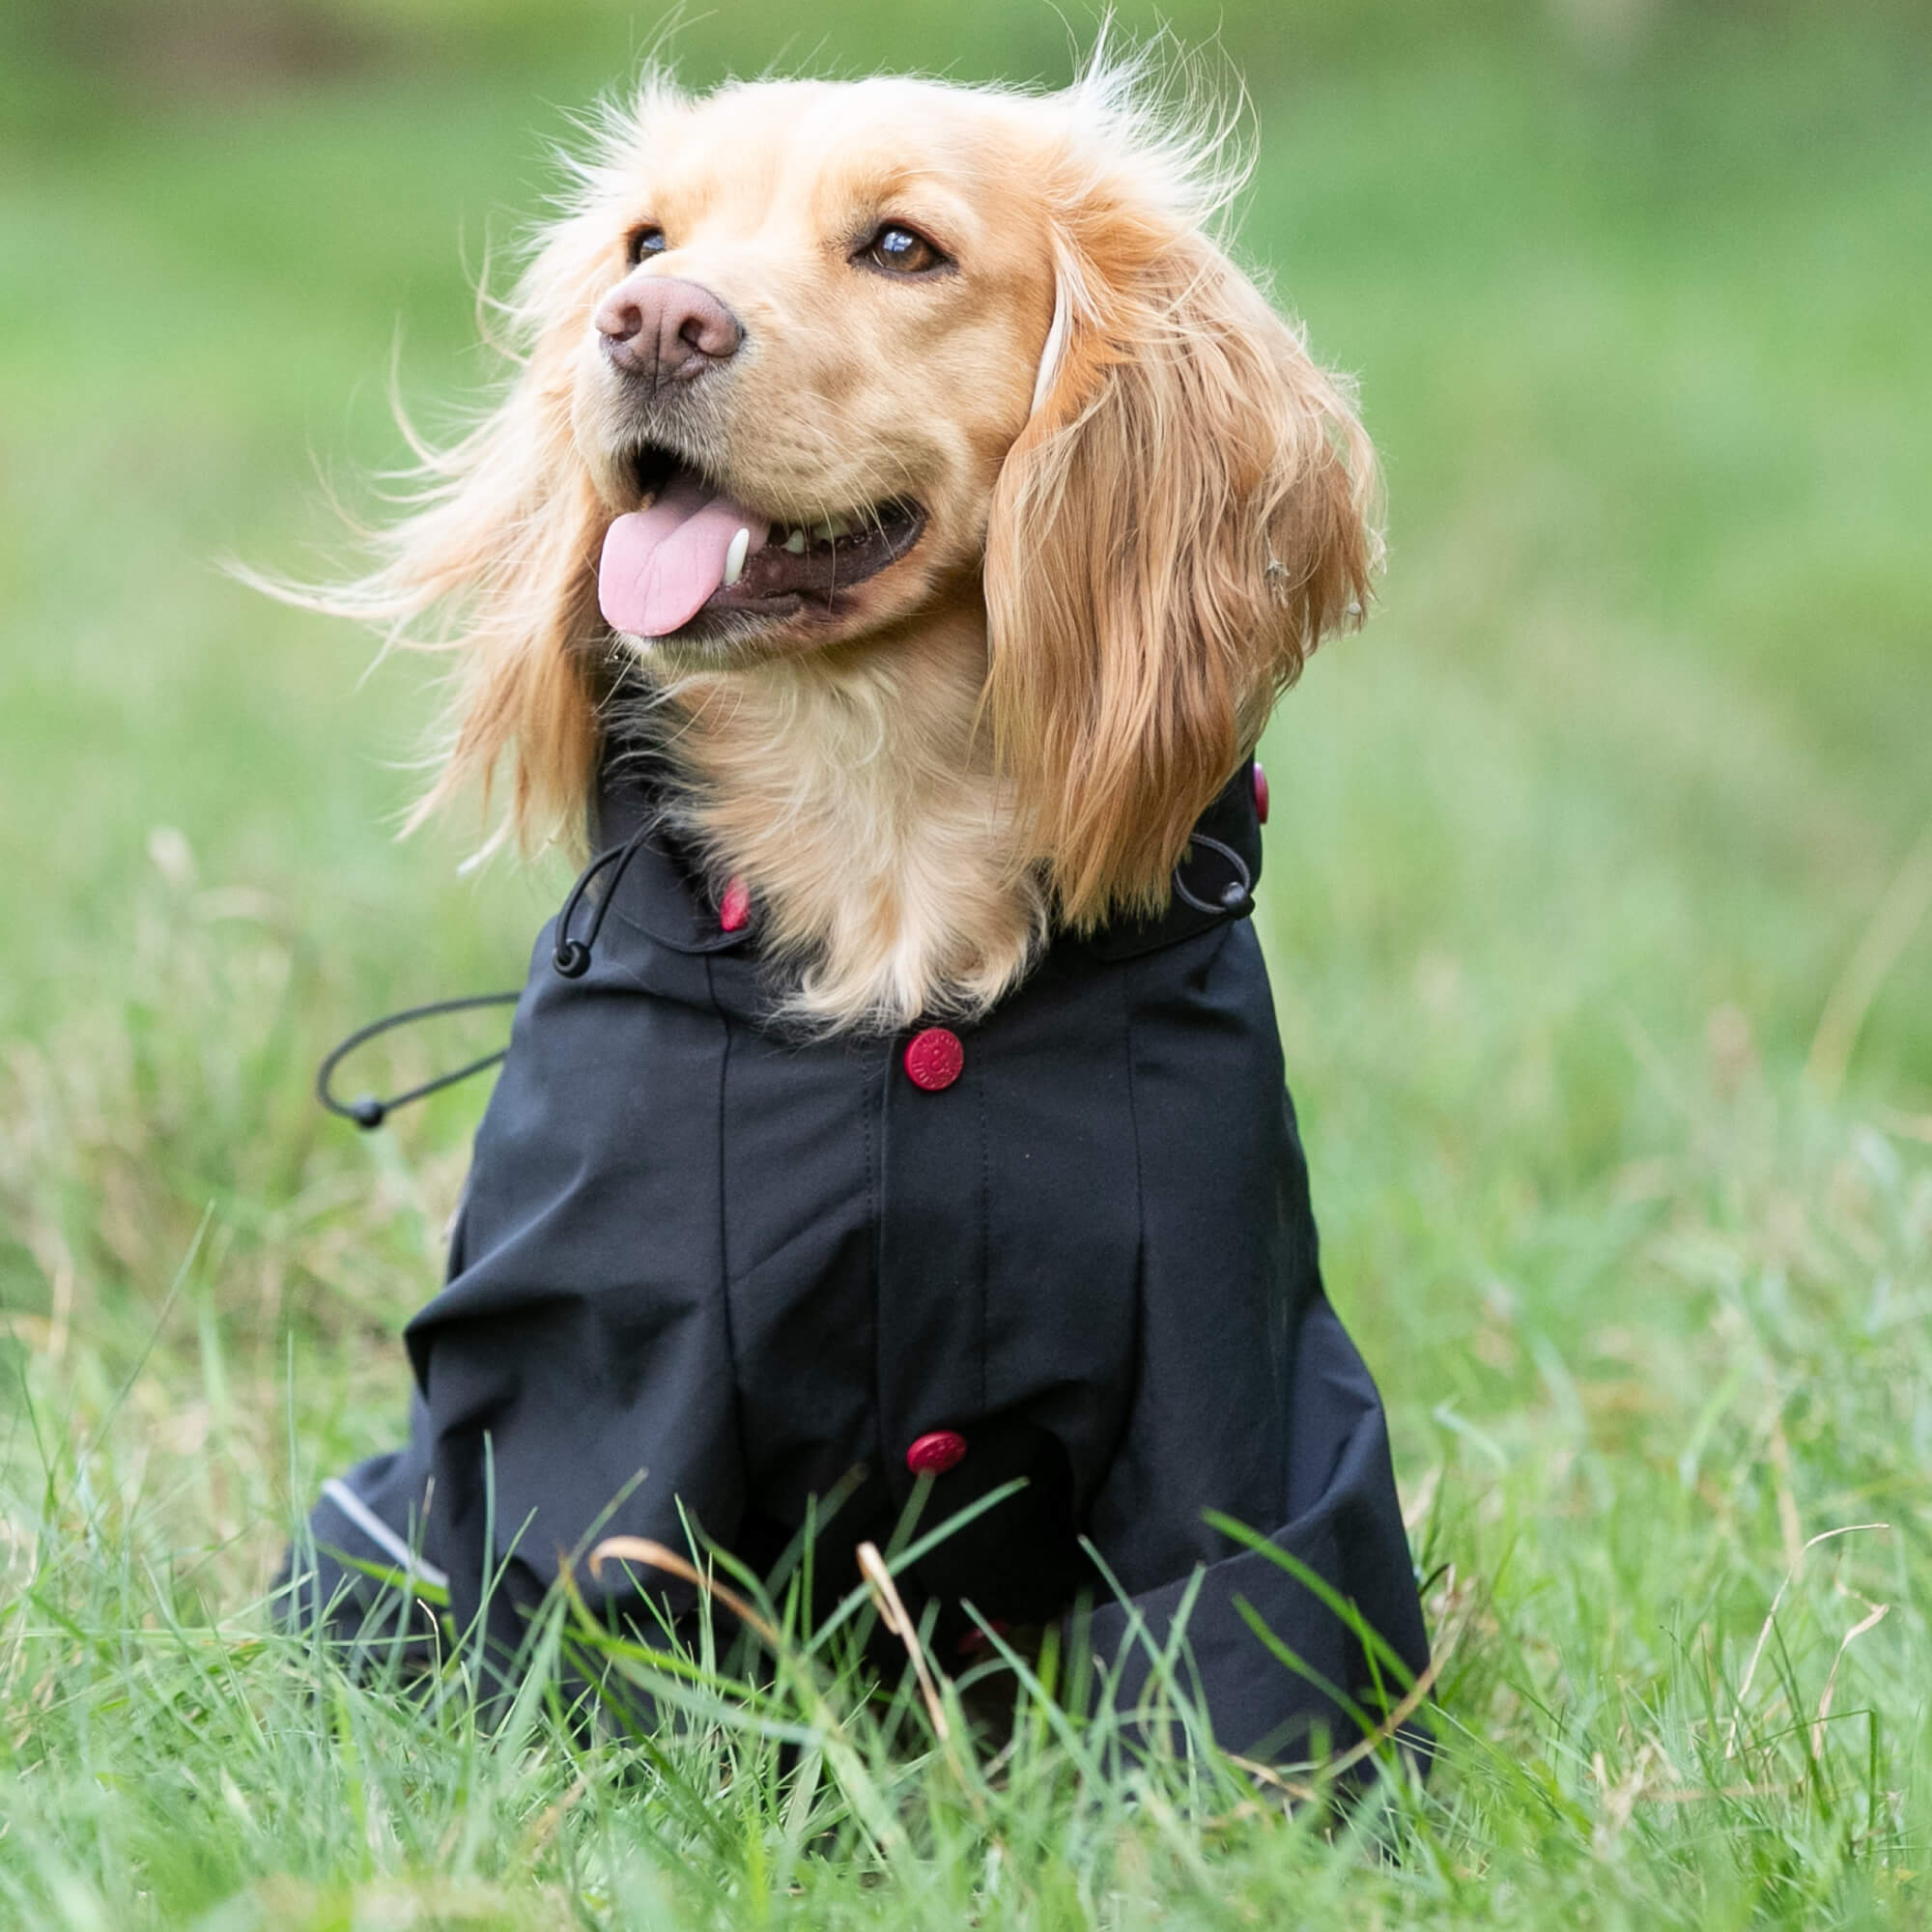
[{"x": 1599, "y": 901}]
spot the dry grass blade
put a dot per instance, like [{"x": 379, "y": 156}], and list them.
[
  {"x": 1406, "y": 1708},
  {"x": 660, "y": 1556},
  {"x": 1403, "y": 1711},
  {"x": 893, "y": 1614},
  {"x": 552, "y": 1815},
  {"x": 1875, "y": 1614},
  {"x": 1711, "y": 1794},
  {"x": 1295, "y": 1789},
  {"x": 1770, "y": 1619}
]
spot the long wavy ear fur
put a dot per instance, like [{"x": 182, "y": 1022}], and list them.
[
  {"x": 1188, "y": 509},
  {"x": 495, "y": 561}
]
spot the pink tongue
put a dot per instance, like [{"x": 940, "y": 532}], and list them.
[{"x": 661, "y": 563}]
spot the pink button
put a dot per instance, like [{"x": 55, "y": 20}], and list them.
[
  {"x": 734, "y": 909},
  {"x": 976, "y": 1639},
  {"x": 934, "y": 1058},
  {"x": 935, "y": 1454},
  {"x": 1261, "y": 778}
]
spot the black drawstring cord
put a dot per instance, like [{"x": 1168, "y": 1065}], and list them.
[
  {"x": 365, "y": 1110},
  {"x": 1236, "y": 895},
  {"x": 571, "y": 958}
]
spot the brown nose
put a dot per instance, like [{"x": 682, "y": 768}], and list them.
[{"x": 664, "y": 331}]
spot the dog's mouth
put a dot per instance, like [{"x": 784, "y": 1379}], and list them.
[{"x": 693, "y": 547}]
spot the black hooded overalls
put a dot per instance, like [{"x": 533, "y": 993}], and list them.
[{"x": 705, "y": 1265}]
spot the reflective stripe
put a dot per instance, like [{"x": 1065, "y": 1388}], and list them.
[{"x": 411, "y": 1562}]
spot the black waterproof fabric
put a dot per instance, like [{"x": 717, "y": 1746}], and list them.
[{"x": 705, "y": 1269}]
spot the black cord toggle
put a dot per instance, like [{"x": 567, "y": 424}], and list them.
[
  {"x": 366, "y": 1110},
  {"x": 572, "y": 956},
  {"x": 1235, "y": 897}
]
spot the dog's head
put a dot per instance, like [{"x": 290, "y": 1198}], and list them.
[
  {"x": 805, "y": 340},
  {"x": 810, "y": 364}
]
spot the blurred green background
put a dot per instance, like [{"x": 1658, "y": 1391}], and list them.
[
  {"x": 1585, "y": 831},
  {"x": 1597, "y": 889}
]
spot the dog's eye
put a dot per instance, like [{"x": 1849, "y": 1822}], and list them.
[
  {"x": 902, "y": 251},
  {"x": 645, "y": 240}
]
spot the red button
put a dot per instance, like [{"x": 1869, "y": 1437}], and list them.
[
  {"x": 976, "y": 1639},
  {"x": 935, "y": 1454},
  {"x": 1261, "y": 778},
  {"x": 934, "y": 1058},
  {"x": 734, "y": 909}
]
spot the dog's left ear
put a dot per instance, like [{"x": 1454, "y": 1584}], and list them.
[{"x": 1187, "y": 510}]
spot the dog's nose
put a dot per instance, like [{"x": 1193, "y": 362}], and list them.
[{"x": 661, "y": 330}]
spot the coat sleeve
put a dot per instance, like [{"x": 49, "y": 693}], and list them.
[
  {"x": 1342, "y": 1525},
  {"x": 574, "y": 1375},
  {"x": 1250, "y": 1399}
]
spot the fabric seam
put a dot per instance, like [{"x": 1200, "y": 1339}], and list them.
[{"x": 724, "y": 1249}]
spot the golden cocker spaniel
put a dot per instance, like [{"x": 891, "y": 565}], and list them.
[{"x": 920, "y": 452}]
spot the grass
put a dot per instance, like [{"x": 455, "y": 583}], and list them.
[{"x": 1573, "y": 852}]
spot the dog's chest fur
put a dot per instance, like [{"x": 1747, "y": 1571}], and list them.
[{"x": 858, "y": 803}]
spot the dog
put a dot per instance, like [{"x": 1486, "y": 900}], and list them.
[{"x": 901, "y": 524}]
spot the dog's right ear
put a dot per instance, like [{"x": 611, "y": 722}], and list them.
[{"x": 1188, "y": 508}]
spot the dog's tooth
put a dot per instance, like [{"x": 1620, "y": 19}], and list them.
[
  {"x": 734, "y": 557},
  {"x": 795, "y": 542},
  {"x": 832, "y": 529}
]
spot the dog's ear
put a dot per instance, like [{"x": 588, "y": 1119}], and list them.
[
  {"x": 508, "y": 543},
  {"x": 1187, "y": 509},
  {"x": 494, "y": 563},
  {"x": 518, "y": 541}
]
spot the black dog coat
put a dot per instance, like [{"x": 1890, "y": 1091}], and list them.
[{"x": 704, "y": 1265}]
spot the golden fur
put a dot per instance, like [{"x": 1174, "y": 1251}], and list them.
[{"x": 1144, "y": 503}]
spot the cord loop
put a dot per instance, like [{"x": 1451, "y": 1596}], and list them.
[
  {"x": 1235, "y": 897},
  {"x": 366, "y": 1110}
]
